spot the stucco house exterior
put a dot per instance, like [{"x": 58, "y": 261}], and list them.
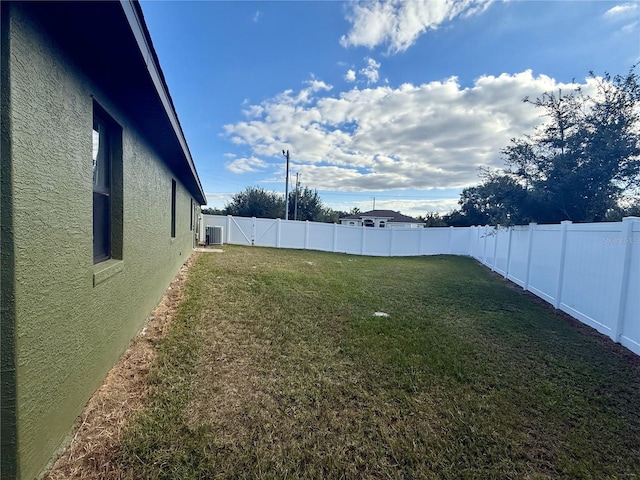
[
  {"x": 381, "y": 219},
  {"x": 99, "y": 202}
]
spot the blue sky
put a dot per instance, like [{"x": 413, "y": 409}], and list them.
[{"x": 401, "y": 101}]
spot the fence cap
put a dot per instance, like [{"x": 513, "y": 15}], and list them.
[{"x": 631, "y": 219}]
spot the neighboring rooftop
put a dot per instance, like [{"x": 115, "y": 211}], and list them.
[{"x": 390, "y": 215}]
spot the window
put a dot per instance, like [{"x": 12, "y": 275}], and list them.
[
  {"x": 381, "y": 224},
  {"x": 173, "y": 208},
  {"x": 368, "y": 223},
  {"x": 107, "y": 187},
  {"x": 101, "y": 192}
]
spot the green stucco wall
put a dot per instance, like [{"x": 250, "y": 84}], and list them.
[{"x": 68, "y": 332}]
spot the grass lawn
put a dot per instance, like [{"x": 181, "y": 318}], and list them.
[{"x": 277, "y": 367}]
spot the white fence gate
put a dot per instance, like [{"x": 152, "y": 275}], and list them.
[{"x": 590, "y": 271}]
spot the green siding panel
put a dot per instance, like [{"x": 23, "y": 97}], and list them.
[
  {"x": 74, "y": 318},
  {"x": 8, "y": 427}
]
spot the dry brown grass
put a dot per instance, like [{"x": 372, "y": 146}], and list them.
[{"x": 98, "y": 429}]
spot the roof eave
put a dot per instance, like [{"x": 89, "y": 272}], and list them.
[{"x": 141, "y": 34}]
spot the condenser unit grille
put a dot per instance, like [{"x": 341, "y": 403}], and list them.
[{"x": 214, "y": 236}]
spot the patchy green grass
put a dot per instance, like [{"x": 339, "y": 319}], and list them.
[{"x": 277, "y": 367}]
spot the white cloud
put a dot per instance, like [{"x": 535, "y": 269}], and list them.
[
  {"x": 629, "y": 28},
  {"x": 433, "y": 135},
  {"x": 253, "y": 111},
  {"x": 399, "y": 23},
  {"x": 317, "y": 85},
  {"x": 408, "y": 206},
  {"x": 416, "y": 208},
  {"x": 218, "y": 200},
  {"x": 350, "y": 76},
  {"x": 257, "y": 16},
  {"x": 371, "y": 70},
  {"x": 622, "y": 11},
  {"x": 627, "y": 14},
  {"x": 245, "y": 165}
]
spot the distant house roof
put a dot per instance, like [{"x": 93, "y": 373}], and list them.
[
  {"x": 391, "y": 216},
  {"x": 111, "y": 43}
]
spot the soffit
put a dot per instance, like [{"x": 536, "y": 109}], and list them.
[{"x": 106, "y": 39}]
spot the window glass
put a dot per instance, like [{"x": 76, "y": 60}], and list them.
[
  {"x": 101, "y": 227},
  {"x": 107, "y": 172},
  {"x": 101, "y": 192},
  {"x": 101, "y": 163}
]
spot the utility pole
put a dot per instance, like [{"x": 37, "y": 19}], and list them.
[
  {"x": 295, "y": 208},
  {"x": 286, "y": 188},
  {"x": 374, "y": 203}
]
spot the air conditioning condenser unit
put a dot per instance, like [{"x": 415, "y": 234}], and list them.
[{"x": 213, "y": 236}]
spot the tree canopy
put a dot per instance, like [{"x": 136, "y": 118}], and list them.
[
  {"x": 309, "y": 205},
  {"x": 582, "y": 165},
  {"x": 260, "y": 203},
  {"x": 256, "y": 202}
]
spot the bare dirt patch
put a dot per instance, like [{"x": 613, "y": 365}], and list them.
[{"x": 98, "y": 429}]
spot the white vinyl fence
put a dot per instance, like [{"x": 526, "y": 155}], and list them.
[{"x": 590, "y": 271}]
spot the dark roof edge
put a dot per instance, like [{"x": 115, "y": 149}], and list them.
[
  {"x": 140, "y": 31},
  {"x": 392, "y": 215}
]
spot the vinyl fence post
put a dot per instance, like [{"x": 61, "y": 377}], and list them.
[
  {"x": 484, "y": 246},
  {"x": 495, "y": 247},
  {"x": 362, "y": 239},
  {"x": 306, "y": 234},
  {"x": 450, "y": 249},
  {"x": 473, "y": 241},
  {"x": 506, "y": 272},
  {"x": 532, "y": 228},
  {"x": 278, "y": 231},
  {"x": 563, "y": 250},
  {"x": 229, "y": 219},
  {"x": 335, "y": 237},
  {"x": 626, "y": 232},
  {"x": 476, "y": 241},
  {"x": 391, "y": 242},
  {"x": 254, "y": 227}
]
